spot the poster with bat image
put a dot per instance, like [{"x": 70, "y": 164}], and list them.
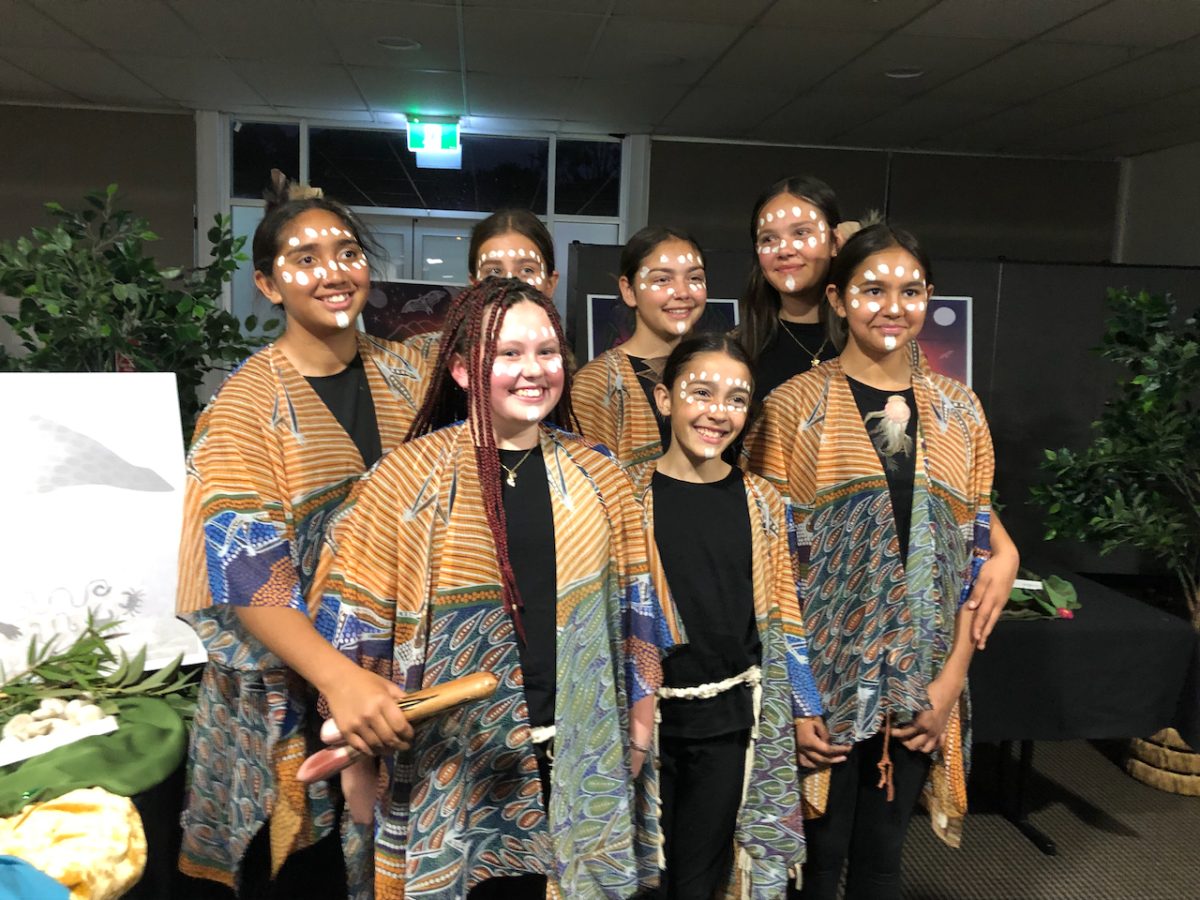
[
  {"x": 396, "y": 310},
  {"x": 91, "y": 481}
]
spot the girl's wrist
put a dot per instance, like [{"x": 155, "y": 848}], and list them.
[{"x": 634, "y": 745}]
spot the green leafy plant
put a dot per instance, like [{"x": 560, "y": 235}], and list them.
[
  {"x": 93, "y": 300},
  {"x": 1138, "y": 483},
  {"x": 89, "y": 667}
]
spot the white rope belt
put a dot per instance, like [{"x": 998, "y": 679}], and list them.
[
  {"x": 752, "y": 677},
  {"x": 541, "y": 734}
]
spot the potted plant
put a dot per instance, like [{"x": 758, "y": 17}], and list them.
[
  {"x": 1138, "y": 483},
  {"x": 91, "y": 299}
]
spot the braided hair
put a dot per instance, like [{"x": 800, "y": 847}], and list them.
[{"x": 471, "y": 331}]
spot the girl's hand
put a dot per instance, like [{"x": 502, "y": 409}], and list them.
[
  {"x": 927, "y": 732},
  {"x": 364, "y": 707},
  {"x": 638, "y": 754},
  {"x": 812, "y": 744}
]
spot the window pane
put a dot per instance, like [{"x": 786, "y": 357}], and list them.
[
  {"x": 259, "y": 147},
  {"x": 375, "y": 168},
  {"x": 587, "y": 180}
]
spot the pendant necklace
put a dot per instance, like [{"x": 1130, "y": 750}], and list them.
[
  {"x": 816, "y": 357},
  {"x": 511, "y": 480}
]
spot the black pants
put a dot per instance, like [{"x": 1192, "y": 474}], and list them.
[
  {"x": 860, "y": 825},
  {"x": 519, "y": 887},
  {"x": 701, "y": 787}
]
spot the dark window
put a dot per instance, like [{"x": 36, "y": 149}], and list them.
[
  {"x": 259, "y": 147},
  {"x": 375, "y": 168},
  {"x": 587, "y": 180}
]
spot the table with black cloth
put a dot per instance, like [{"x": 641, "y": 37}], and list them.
[{"x": 1118, "y": 669}]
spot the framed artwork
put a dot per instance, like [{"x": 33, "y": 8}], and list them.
[
  {"x": 396, "y": 310},
  {"x": 946, "y": 337},
  {"x": 610, "y": 322}
]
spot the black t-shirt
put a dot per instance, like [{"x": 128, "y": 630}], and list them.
[
  {"x": 348, "y": 396},
  {"x": 899, "y": 467},
  {"x": 529, "y": 524},
  {"x": 649, "y": 374},
  {"x": 703, "y": 537},
  {"x": 789, "y": 353}
]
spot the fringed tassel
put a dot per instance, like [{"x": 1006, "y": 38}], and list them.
[
  {"x": 661, "y": 849},
  {"x": 745, "y": 862},
  {"x": 885, "y": 762}
]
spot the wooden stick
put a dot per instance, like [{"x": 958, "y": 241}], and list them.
[{"x": 416, "y": 706}]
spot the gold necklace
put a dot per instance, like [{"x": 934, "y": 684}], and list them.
[
  {"x": 512, "y": 473},
  {"x": 816, "y": 357}
]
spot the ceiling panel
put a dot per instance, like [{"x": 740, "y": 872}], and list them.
[
  {"x": 667, "y": 53},
  {"x": 1150, "y": 76},
  {"x": 355, "y": 35},
  {"x": 787, "y": 58},
  {"x": 25, "y": 26},
  {"x": 940, "y": 59},
  {"x": 722, "y": 112},
  {"x": 538, "y": 97},
  {"x": 846, "y": 15},
  {"x": 277, "y": 30},
  {"x": 196, "y": 83},
  {"x": 1134, "y": 23},
  {"x": 325, "y": 86},
  {"x": 720, "y": 11},
  {"x": 88, "y": 74},
  {"x": 816, "y": 118},
  {"x": 621, "y": 105},
  {"x": 1016, "y": 19},
  {"x": 1030, "y": 70},
  {"x": 18, "y": 85},
  {"x": 499, "y": 41},
  {"x": 910, "y": 124},
  {"x": 137, "y": 25},
  {"x": 433, "y": 93}
]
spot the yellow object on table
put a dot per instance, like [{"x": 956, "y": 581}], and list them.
[{"x": 88, "y": 840}]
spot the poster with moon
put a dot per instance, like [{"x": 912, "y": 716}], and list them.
[{"x": 91, "y": 494}]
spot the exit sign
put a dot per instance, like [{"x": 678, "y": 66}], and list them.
[{"x": 433, "y": 137}]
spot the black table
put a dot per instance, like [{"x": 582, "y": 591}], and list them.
[{"x": 1118, "y": 669}]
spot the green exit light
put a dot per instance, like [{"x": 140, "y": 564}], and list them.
[{"x": 433, "y": 137}]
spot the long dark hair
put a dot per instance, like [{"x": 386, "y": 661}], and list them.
[
  {"x": 504, "y": 221},
  {"x": 286, "y": 200},
  {"x": 869, "y": 241},
  {"x": 470, "y": 332},
  {"x": 760, "y": 303},
  {"x": 712, "y": 342}
]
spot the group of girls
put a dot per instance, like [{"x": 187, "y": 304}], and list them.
[{"x": 708, "y": 654}]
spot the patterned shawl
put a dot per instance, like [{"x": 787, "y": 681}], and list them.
[
  {"x": 409, "y": 588},
  {"x": 880, "y": 632}
]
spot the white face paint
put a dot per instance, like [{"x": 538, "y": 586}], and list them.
[
  {"x": 342, "y": 319},
  {"x": 889, "y": 341},
  {"x": 301, "y": 279},
  {"x": 854, "y": 303},
  {"x": 293, "y": 241},
  {"x": 709, "y": 452},
  {"x": 311, "y": 233},
  {"x": 511, "y": 255},
  {"x": 790, "y": 283},
  {"x": 883, "y": 268},
  {"x": 873, "y": 306},
  {"x": 287, "y": 277},
  {"x": 681, "y": 327},
  {"x": 280, "y": 261}
]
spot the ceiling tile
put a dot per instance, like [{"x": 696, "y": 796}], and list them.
[
  {"x": 846, "y": 15},
  {"x": 1145, "y": 78},
  {"x": 277, "y": 30},
  {"x": 25, "y": 26},
  {"x": 195, "y": 83},
  {"x": 815, "y": 118},
  {"x": 1134, "y": 23},
  {"x": 87, "y": 74},
  {"x": 136, "y": 25},
  {"x": 519, "y": 9},
  {"x": 1015, "y": 19},
  {"x": 1030, "y": 70},
  {"x": 499, "y": 41},
  {"x": 718, "y": 11},
  {"x": 622, "y": 101},
  {"x": 389, "y": 90},
  {"x": 534, "y": 96},
  {"x": 355, "y": 35},
  {"x": 722, "y": 112},
  {"x": 940, "y": 58},
  {"x": 674, "y": 53},
  {"x": 913, "y": 123},
  {"x": 789, "y": 58},
  {"x": 17, "y": 85},
  {"x": 324, "y": 86}
]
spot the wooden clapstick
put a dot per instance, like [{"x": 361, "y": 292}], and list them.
[{"x": 416, "y": 706}]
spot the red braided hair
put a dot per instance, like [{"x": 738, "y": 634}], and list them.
[{"x": 469, "y": 331}]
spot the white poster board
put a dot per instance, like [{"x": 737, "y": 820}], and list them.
[{"x": 91, "y": 487}]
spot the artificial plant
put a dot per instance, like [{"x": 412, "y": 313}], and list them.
[
  {"x": 1138, "y": 483},
  {"x": 93, "y": 300}
]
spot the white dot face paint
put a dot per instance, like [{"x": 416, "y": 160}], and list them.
[
  {"x": 301, "y": 279},
  {"x": 311, "y": 233},
  {"x": 709, "y": 452},
  {"x": 319, "y": 272},
  {"x": 533, "y": 415},
  {"x": 342, "y": 319},
  {"x": 664, "y": 258},
  {"x": 280, "y": 261},
  {"x": 293, "y": 241},
  {"x": 790, "y": 283},
  {"x": 511, "y": 255},
  {"x": 869, "y": 275},
  {"x": 899, "y": 271},
  {"x": 287, "y": 277},
  {"x": 889, "y": 341},
  {"x": 812, "y": 242},
  {"x": 873, "y": 306},
  {"x": 554, "y": 364},
  {"x": 921, "y": 306},
  {"x": 883, "y": 268},
  {"x": 681, "y": 327},
  {"x": 854, "y": 304}
]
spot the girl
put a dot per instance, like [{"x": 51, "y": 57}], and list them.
[
  {"x": 513, "y": 243},
  {"x": 505, "y": 544},
  {"x": 744, "y": 670},
  {"x": 662, "y": 279},
  {"x": 888, "y": 469},
  {"x": 274, "y": 454},
  {"x": 788, "y": 327},
  {"x": 785, "y": 323}
]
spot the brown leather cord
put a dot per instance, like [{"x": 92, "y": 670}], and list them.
[{"x": 885, "y": 762}]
